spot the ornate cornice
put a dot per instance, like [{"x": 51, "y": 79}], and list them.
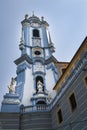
[
  {"x": 11, "y": 99},
  {"x": 23, "y": 58},
  {"x": 51, "y": 59},
  {"x": 34, "y": 19}
]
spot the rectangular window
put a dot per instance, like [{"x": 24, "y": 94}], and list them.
[
  {"x": 60, "y": 117},
  {"x": 72, "y": 101}
]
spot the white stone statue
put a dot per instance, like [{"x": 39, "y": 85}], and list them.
[
  {"x": 40, "y": 86},
  {"x": 11, "y": 87}
]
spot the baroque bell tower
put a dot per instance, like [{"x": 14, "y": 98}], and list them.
[{"x": 36, "y": 71}]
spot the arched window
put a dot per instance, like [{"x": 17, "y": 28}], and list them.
[
  {"x": 41, "y": 105},
  {"x": 35, "y": 33}
]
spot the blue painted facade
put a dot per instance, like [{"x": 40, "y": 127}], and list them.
[
  {"x": 11, "y": 103},
  {"x": 38, "y": 49},
  {"x": 36, "y": 62}
]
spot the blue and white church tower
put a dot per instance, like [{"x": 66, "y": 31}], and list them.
[{"x": 36, "y": 70}]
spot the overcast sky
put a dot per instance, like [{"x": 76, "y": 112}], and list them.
[{"x": 68, "y": 28}]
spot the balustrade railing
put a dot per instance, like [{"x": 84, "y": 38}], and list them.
[{"x": 40, "y": 107}]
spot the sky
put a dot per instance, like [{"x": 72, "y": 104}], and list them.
[{"x": 68, "y": 29}]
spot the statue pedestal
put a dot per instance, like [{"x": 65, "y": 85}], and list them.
[
  {"x": 39, "y": 98},
  {"x": 10, "y": 103}
]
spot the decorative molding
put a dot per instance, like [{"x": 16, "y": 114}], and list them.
[
  {"x": 11, "y": 101},
  {"x": 38, "y": 67},
  {"x": 25, "y": 57},
  {"x": 39, "y": 50},
  {"x": 36, "y": 41}
]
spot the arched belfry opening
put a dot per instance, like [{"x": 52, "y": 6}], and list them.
[
  {"x": 39, "y": 80},
  {"x": 36, "y": 33},
  {"x": 41, "y": 102}
]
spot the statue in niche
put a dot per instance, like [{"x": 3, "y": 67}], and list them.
[
  {"x": 40, "y": 86},
  {"x": 11, "y": 87}
]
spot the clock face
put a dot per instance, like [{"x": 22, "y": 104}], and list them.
[{"x": 35, "y": 25}]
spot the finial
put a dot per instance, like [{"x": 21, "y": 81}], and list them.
[
  {"x": 33, "y": 13},
  {"x": 26, "y": 16},
  {"x": 42, "y": 18}
]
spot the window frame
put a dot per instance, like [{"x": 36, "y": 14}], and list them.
[
  {"x": 70, "y": 103},
  {"x": 60, "y": 120},
  {"x": 37, "y": 31},
  {"x": 85, "y": 82}
]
